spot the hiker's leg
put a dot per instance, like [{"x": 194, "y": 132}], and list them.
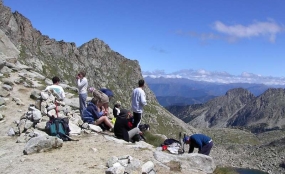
[
  {"x": 82, "y": 102},
  {"x": 104, "y": 119},
  {"x": 89, "y": 120},
  {"x": 206, "y": 149},
  {"x": 133, "y": 132},
  {"x": 137, "y": 119}
]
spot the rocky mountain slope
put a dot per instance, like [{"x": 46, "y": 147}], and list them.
[
  {"x": 237, "y": 108},
  {"x": 22, "y": 43},
  {"x": 29, "y": 59}
]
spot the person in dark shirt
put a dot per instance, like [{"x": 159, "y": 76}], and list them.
[
  {"x": 123, "y": 129},
  {"x": 96, "y": 114},
  {"x": 116, "y": 109},
  {"x": 200, "y": 141}
]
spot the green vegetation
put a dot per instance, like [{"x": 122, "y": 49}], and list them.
[
  {"x": 152, "y": 139},
  {"x": 232, "y": 136},
  {"x": 225, "y": 170}
]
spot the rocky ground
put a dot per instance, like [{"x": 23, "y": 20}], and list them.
[
  {"x": 233, "y": 148},
  {"x": 88, "y": 155}
]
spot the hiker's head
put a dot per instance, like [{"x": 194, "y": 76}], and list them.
[
  {"x": 117, "y": 104},
  {"x": 94, "y": 101},
  {"x": 55, "y": 80},
  {"x": 81, "y": 74},
  {"x": 186, "y": 140},
  {"x": 125, "y": 113},
  {"x": 141, "y": 83}
]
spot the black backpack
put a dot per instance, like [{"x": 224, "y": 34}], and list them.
[
  {"x": 58, "y": 127},
  {"x": 144, "y": 127},
  {"x": 170, "y": 141}
]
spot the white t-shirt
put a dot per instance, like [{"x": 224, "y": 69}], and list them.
[
  {"x": 138, "y": 100},
  {"x": 58, "y": 89}
]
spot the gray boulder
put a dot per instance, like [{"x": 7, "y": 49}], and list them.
[
  {"x": 42, "y": 144},
  {"x": 188, "y": 162}
]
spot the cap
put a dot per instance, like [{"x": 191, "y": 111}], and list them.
[
  {"x": 124, "y": 113},
  {"x": 186, "y": 138}
]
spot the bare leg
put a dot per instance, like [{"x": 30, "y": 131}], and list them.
[{"x": 104, "y": 119}]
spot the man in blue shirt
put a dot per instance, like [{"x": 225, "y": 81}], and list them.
[{"x": 200, "y": 141}]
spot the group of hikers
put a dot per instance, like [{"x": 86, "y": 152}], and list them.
[{"x": 125, "y": 124}]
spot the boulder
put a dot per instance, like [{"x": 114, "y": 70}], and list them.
[
  {"x": 188, "y": 162},
  {"x": 42, "y": 144}
]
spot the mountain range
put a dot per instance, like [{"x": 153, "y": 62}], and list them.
[
  {"x": 254, "y": 107},
  {"x": 237, "y": 108},
  {"x": 183, "y": 91}
]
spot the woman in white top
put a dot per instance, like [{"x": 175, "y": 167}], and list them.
[{"x": 82, "y": 90}]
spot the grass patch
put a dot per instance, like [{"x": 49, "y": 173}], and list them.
[
  {"x": 225, "y": 170},
  {"x": 152, "y": 139}
]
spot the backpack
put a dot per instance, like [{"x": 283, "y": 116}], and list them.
[
  {"x": 107, "y": 91},
  {"x": 173, "y": 146},
  {"x": 102, "y": 97},
  {"x": 144, "y": 127},
  {"x": 58, "y": 127}
]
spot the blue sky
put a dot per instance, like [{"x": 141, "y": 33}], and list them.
[{"x": 233, "y": 36}]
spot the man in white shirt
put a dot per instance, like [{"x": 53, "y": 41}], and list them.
[
  {"x": 138, "y": 102},
  {"x": 58, "y": 89},
  {"x": 82, "y": 84}
]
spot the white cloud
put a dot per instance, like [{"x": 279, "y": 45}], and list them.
[
  {"x": 218, "y": 77},
  {"x": 268, "y": 29}
]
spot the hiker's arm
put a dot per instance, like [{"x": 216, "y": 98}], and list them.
[
  {"x": 94, "y": 111},
  {"x": 62, "y": 93},
  {"x": 191, "y": 148},
  {"x": 143, "y": 99},
  {"x": 81, "y": 83}
]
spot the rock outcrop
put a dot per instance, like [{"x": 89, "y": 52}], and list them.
[{"x": 26, "y": 45}]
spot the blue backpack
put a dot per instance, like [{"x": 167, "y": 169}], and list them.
[{"x": 107, "y": 91}]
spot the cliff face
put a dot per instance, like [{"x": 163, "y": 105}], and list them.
[{"x": 104, "y": 67}]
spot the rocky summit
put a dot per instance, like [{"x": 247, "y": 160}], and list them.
[{"x": 28, "y": 61}]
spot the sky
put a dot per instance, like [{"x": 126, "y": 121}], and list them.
[{"x": 232, "y": 36}]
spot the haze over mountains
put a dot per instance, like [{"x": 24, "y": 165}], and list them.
[
  {"x": 218, "y": 77},
  {"x": 183, "y": 91}
]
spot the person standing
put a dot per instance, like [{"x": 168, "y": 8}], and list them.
[
  {"x": 82, "y": 90},
  {"x": 138, "y": 102},
  {"x": 55, "y": 86},
  {"x": 200, "y": 141}
]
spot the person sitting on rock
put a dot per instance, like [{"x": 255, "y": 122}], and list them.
[
  {"x": 116, "y": 110},
  {"x": 200, "y": 141},
  {"x": 56, "y": 88},
  {"x": 122, "y": 128},
  {"x": 96, "y": 114}
]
